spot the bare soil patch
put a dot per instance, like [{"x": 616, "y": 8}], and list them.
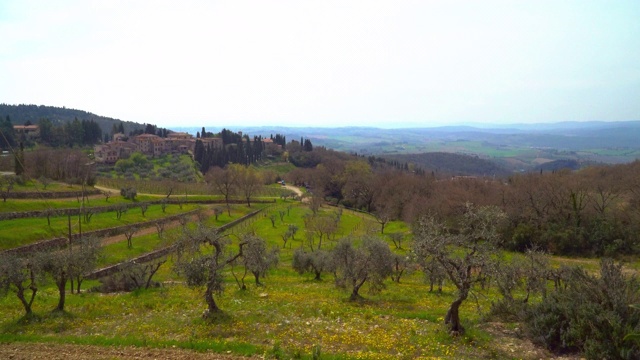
[
  {"x": 49, "y": 351},
  {"x": 511, "y": 342}
]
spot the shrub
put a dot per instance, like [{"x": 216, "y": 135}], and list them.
[
  {"x": 592, "y": 314},
  {"x": 129, "y": 193}
]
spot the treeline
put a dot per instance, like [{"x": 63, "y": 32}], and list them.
[
  {"x": 235, "y": 149},
  {"x": 594, "y": 211},
  {"x": 451, "y": 164},
  {"x": 70, "y": 134},
  {"x": 21, "y": 114},
  {"x": 148, "y": 129},
  {"x": 72, "y": 166}
]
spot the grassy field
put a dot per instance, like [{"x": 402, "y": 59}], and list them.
[
  {"x": 67, "y": 203},
  {"x": 35, "y": 186},
  {"x": 289, "y": 317},
  {"x": 20, "y": 232},
  {"x": 292, "y": 316}
]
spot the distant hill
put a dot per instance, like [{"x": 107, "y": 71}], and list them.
[
  {"x": 555, "y": 165},
  {"x": 565, "y": 136},
  {"x": 452, "y": 164},
  {"x": 20, "y": 114},
  {"x": 516, "y": 147}
]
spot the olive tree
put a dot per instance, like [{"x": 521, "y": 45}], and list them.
[
  {"x": 464, "y": 254},
  {"x": 371, "y": 262},
  {"x": 315, "y": 262},
  {"x": 203, "y": 254},
  {"x": 21, "y": 275},
  {"x": 6, "y": 185},
  {"x": 256, "y": 258},
  {"x": 69, "y": 264}
]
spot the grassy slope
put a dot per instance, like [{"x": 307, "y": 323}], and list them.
[
  {"x": 20, "y": 232},
  {"x": 290, "y": 314}
]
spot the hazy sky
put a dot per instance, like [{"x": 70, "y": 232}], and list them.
[{"x": 325, "y": 63}]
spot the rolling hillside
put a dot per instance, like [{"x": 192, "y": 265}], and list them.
[{"x": 20, "y": 114}]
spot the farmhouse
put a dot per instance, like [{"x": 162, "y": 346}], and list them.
[
  {"x": 30, "y": 132},
  {"x": 150, "y": 145}
]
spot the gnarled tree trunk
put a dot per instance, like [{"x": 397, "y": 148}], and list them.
[{"x": 211, "y": 302}]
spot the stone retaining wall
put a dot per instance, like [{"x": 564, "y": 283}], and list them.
[
  {"x": 57, "y": 243},
  {"x": 150, "y": 256},
  {"x": 101, "y": 209}
]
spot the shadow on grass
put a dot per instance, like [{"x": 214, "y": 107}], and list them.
[
  {"x": 22, "y": 322},
  {"x": 217, "y": 317}
]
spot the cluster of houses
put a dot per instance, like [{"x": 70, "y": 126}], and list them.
[
  {"x": 121, "y": 146},
  {"x": 151, "y": 145}
]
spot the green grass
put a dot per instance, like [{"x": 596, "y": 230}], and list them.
[
  {"x": 290, "y": 314},
  {"x": 17, "y": 205},
  {"x": 279, "y": 167},
  {"x": 35, "y": 186},
  {"x": 20, "y": 232},
  {"x": 289, "y": 317},
  {"x": 119, "y": 252}
]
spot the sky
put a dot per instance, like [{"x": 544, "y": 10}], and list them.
[{"x": 325, "y": 63}]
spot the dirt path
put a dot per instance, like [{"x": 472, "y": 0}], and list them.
[
  {"x": 117, "y": 192},
  {"x": 294, "y": 189},
  {"x": 50, "y": 351}
]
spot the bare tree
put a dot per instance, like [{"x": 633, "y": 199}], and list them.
[
  {"x": 289, "y": 234},
  {"x": 315, "y": 203},
  {"x": 359, "y": 185},
  {"x": 383, "y": 214},
  {"x": 49, "y": 212},
  {"x": 217, "y": 211},
  {"x": 249, "y": 182},
  {"x": 129, "y": 231},
  {"x": 88, "y": 213},
  {"x": 143, "y": 208},
  {"x": 121, "y": 210},
  {"x": 141, "y": 275},
  {"x": 434, "y": 272},
  {"x": 132, "y": 276},
  {"x": 183, "y": 220},
  {"x": 205, "y": 268},
  {"x": 45, "y": 181},
  {"x": 372, "y": 262},
  {"x": 160, "y": 225},
  {"x": 396, "y": 238},
  {"x": 461, "y": 254},
  {"x": 107, "y": 195},
  {"x": 401, "y": 265},
  {"x": 201, "y": 215},
  {"x": 322, "y": 225},
  {"x": 285, "y": 237},
  {"x": 224, "y": 181},
  {"x": 293, "y": 229}
]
